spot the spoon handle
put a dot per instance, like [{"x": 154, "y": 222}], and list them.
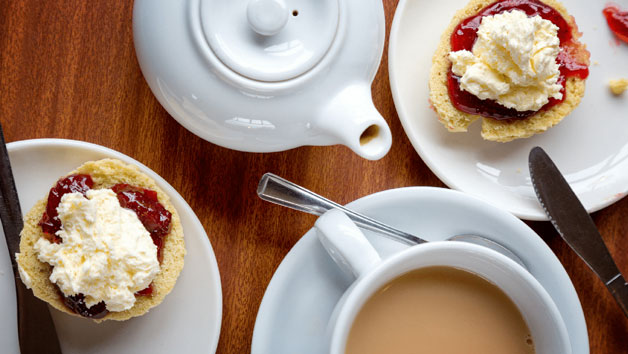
[{"x": 277, "y": 190}]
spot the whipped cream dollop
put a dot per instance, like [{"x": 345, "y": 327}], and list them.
[
  {"x": 513, "y": 61},
  {"x": 106, "y": 253}
]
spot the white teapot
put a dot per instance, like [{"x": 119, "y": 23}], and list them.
[{"x": 267, "y": 75}]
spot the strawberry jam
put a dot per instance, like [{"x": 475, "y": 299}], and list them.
[
  {"x": 50, "y": 222},
  {"x": 155, "y": 218},
  {"x": 146, "y": 292},
  {"x": 76, "y": 303},
  {"x": 572, "y": 58},
  {"x": 617, "y": 21},
  {"x": 153, "y": 215}
]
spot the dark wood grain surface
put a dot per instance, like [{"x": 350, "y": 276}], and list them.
[{"x": 68, "y": 70}]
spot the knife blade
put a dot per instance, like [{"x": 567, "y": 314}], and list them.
[
  {"x": 36, "y": 330},
  {"x": 574, "y": 224}
]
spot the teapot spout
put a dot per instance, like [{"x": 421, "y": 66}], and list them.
[{"x": 351, "y": 119}]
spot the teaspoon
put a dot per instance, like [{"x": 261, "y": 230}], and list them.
[{"x": 275, "y": 189}]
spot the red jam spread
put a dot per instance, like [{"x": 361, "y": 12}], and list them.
[
  {"x": 153, "y": 215},
  {"x": 146, "y": 292},
  {"x": 617, "y": 21},
  {"x": 572, "y": 59},
  {"x": 155, "y": 218},
  {"x": 50, "y": 222},
  {"x": 76, "y": 303}
]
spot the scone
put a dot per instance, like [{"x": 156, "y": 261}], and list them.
[
  {"x": 522, "y": 73},
  {"x": 114, "y": 243}
]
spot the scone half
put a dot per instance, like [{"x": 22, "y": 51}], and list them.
[
  {"x": 492, "y": 129},
  {"x": 105, "y": 174}
]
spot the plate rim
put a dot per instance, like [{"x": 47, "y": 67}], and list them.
[
  {"x": 374, "y": 198},
  {"x": 20, "y": 145}
]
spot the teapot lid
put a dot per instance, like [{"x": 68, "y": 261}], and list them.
[{"x": 270, "y": 40}]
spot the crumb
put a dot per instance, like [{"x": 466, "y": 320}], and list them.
[
  {"x": 618, "y": 86},
  {"x": 596, "y": 63}
]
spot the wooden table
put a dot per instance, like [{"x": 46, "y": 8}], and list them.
[{"x": 68, "y": 70}]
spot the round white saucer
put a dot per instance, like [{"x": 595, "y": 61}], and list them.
[
  {"x": 590, "y": 146},
  {"x": 300, "y": 298},
  {"x": 187, "y": 321}
]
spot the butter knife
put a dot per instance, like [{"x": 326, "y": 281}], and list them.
[
  {"x": 36, "y": 330},
  {"x": 574, "y": 224}
]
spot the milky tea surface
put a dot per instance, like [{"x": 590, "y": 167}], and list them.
[{"x": 439, "y": 310}]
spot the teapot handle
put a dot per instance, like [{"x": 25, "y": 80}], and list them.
[{"x": 351, "y": 119}]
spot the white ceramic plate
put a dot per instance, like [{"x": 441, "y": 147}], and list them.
[
  {"x": 589, "y": 146},
  {"x": 187, "y": 321},
  {"x": 300, "y": 298}
]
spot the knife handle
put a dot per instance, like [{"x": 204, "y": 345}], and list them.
[
  {"x": 619, "y": 288},
  {"x": 36, "y": 329}
]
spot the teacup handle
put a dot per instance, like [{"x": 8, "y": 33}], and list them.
[{"x": 345, "y": 243}]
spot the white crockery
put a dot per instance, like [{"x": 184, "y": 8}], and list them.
[
  {"x": 189, "y": 318},
  {"x": 308, "y": 284},
  {"x": 350, "y": 249},
  {"x": 589, "y": 146},
  {"x": 266, "y": 75}
]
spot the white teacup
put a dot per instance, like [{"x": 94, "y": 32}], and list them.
[{"x": 353, "y": 253}]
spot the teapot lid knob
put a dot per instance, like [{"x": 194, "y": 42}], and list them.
[
  {"x": 267, "y": 17},
  {"x": 269, "y": 40}
]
